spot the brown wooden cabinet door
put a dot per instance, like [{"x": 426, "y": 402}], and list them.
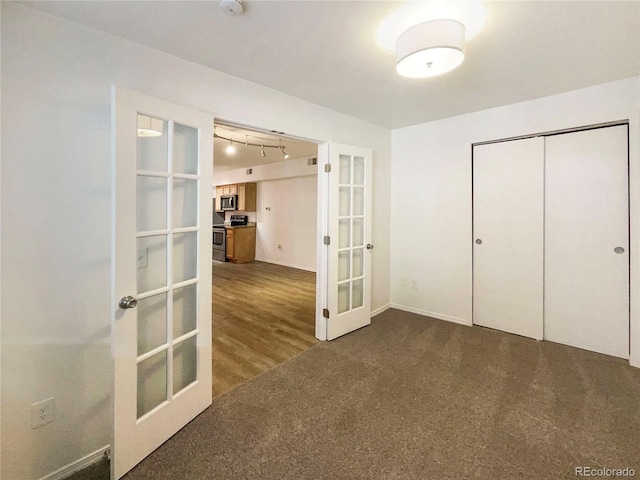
[
  {"x": 251, "y": 194},
  {"x": 230, "y": 246},
  {"x": 218, "y": 195},
  {"x": 233, "y": 189},
  {"x": 242, "y": 197}
]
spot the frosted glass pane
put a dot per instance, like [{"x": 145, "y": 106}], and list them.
[
  {"x": 344, "y": 233},
  {"x": 358, "y": 232},
  {"x": 358, "y": 171},
  {"x": 345, "y": 169},
  {"x": 184, "y": 310},
  {"x": 153, "y": 152},
  {"x": 152, "y": 322},
  {"x": 358, "y": 262},
  {"x": 151, "y": 263},
  {"x": 344, "y": 267},
  {"x": 185, "y": 149},
  {"x": 152, "y": 382},
  {"x": 358, "y": 201},
  {"x": 185, "y": 206},
  {"x": 345, "y": 202},
  {"x": 151, "y": 203},
  {"x": 358, "y": 293},
  {"x": 343, "y": 297},
  {"x": 184, "y": 363},
  {"x": 185, "y": 256}
]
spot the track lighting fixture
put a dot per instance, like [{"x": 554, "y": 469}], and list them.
[
  {"x": 284, "y": 154},
  {"x": 231, "y": 149}
]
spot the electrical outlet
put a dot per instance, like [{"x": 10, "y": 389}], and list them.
[
  {"x": 143, "y": 257},
  {"x": 43, "y": 412}
]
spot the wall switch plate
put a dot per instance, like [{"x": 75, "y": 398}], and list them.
[{"x": 43, "y": 412}]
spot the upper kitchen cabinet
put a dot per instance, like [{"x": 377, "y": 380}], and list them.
[
  {"x": 229, "y": 189},
  {"x": 246, "y": 193},
  {"x": 247, "y": 197}
]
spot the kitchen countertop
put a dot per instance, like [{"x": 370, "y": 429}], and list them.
[{"x": 251, "y": 224}]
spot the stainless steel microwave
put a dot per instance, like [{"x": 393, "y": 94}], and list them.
[{"x": 229, "y": 202}]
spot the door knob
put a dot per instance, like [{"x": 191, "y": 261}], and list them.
[
  {"x": 619, "y": 250},
  {"x": 128, "y": 302},
  {"x": 369, "y": 246},
  {"x": 478, "y": 241}
]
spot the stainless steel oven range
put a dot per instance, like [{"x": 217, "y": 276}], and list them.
[{"x": 220, "y": 244}]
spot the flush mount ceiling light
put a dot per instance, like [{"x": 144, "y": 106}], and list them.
[
  {"x": 428, "y": 37},
  {"x": 149, "y": 127},
  {"x": 430, "y": 49}
]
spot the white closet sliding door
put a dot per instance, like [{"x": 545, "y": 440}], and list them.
[
  {"x": 508, "y": 186},
  {"x": 587, "y": 240}
]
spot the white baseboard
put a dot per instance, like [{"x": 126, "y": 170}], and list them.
[
  {"x": 439, "y": 316},
  {"x": 378, "y": 311},
  {"x": 73, "y": 467},
  {"x": 284, "y": 264}
]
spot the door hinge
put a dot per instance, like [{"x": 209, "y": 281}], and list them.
[
  {"x": 325, "y": 312},
  {"x": 327, "y": 240},
  {"x": 327, "y": 168}
]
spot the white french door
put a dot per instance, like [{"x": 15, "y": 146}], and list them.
[
  {"x": 587, "y": 240},
  {"x": 161, "y": 271},
  {"x": 344, "y": 190},
  {"x": 508, "y": 229}
]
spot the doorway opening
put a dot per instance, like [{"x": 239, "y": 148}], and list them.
[{"x": 264, "y": 251}]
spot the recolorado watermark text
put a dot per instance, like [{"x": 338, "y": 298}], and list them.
[{"x": 604, "y": 472}]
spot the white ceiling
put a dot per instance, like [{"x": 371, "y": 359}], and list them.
[
  {"x": 249, "y": 156},
  {"x": 325, "y": 52}
]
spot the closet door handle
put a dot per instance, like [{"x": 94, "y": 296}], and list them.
[
  {"x": 478, "y": 241},
  {"x": 619, "y": 250}
]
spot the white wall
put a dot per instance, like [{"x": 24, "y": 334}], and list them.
[
  {"x": 56, "y": 180},
  {"x": 431, "y": 190},
  {"x": 289, "y": 189},
  {"x": 286, "y": 232},
  {"x": 296, "y": 167}
]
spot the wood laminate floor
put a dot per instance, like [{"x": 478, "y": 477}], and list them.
[{"x": 263, "y": 314}]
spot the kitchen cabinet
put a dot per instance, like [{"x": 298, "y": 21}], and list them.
[
  {"x": 247, "y": 197},
  {"x": 229, "y": 189},
  {"x": 246, "y": 192},
  {"x": 218, "y": 195},
  {"x": 241, "y": 244}
]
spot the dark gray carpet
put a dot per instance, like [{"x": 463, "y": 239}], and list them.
[{"x": 411, "y": 397}]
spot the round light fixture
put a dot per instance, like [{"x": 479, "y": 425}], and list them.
[
  {"x": 149, "y": 127},
  {"x": 430, "y": 48},
  {"x": 471, "y": 13},
  {"x": 230, "y": 148}
]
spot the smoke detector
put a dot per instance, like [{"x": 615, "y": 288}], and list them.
[{"x": 231, "y": 7}]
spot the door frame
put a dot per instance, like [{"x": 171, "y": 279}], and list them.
[
  {"x": 322, "y": 219},
  {"x": 634, "y": 300}
]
